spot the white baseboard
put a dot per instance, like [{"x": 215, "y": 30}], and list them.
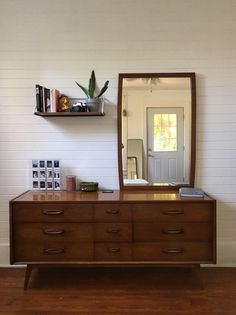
[
  {"x": 226, "y": 253},
  {"x": 4, "y": 255},
  {"x": 225, "y": 249}
]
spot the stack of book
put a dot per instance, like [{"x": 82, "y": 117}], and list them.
[
  {"x": 191, "y": 192},
  {"x": 46, "y": 99}
]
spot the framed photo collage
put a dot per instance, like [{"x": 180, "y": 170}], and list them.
[{"x": 46, "y": 175}]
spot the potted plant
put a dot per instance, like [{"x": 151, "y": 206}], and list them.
[{"x": 93, "y": 101}]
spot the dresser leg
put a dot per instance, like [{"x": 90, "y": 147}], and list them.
[{"x": 28, "y": 272}]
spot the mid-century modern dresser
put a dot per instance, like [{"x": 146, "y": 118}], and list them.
[{"x": 135, "y": 228}]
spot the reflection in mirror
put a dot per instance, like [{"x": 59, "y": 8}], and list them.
[
  {"x": 157, "y": 129},
  {"x": 135, "y": 149},
  {"x": 132, "y": 167}
]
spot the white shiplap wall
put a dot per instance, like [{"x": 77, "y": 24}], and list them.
[{"x": 55, "y": 42}]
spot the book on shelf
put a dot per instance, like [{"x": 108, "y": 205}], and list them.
[
  {"x": 46, "y": 99},
  {"x": 39, "y": 98},
  {"x": 191, "y": 192},
  {"x": 37, "y": 92},
  {"x": 55, "y": 94}
]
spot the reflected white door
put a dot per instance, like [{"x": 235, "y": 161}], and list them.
[{"x": 165, "y": 145}]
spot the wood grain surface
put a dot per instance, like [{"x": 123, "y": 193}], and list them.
[
  {"x": 168, "y": 291},
  {"x": 117, "y": 195}
]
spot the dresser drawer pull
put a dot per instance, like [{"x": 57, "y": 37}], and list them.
[
  {"x": 53, "y": 212},
  {"x": 113, "y": 230},
  {"x": 112, "y": 211},
  {"x": 53, "y": 231},
  {"x": 54, "y": 250},
  {"x": 113, "y": 249},
  {"x": 173, "y": 250},
  {"x": 173, "y": 212},
  {"x": 173, "y": 231}
]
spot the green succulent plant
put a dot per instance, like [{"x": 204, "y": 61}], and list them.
[{"x": 91, "y": 90}]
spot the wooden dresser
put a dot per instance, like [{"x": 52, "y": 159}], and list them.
[{"x": 135, "y": 228}]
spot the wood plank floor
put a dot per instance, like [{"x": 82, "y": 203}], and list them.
[{"x": 206, "y": 291}]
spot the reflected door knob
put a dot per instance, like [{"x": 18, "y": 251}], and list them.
[{"x": 149, "y": 155}]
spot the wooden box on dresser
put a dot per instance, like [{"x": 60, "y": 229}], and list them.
[{"x": 134, "y": 228}]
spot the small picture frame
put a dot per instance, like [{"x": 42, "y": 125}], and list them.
[
  {"x": 35, "y": 163},
  {"x": 49, "y": 185},
  {"x": 56, "y": 164},
  {"x": 49, "y": 163},
  {"x": 42, "y": 174},
  {"x": 49, "y": 173},
  {"x": 57, "y": 184},
  {"x": 42, "y": 164},
  {"x": 35, "y": 184},
  {"x": 42, "y": 185},
  {"x": 57, "y": 174},
  {"x": 35, "y": 173}
]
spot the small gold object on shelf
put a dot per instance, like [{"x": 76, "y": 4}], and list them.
[{"x": 64, "y": 103}]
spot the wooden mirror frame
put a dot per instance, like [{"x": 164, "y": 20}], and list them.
[{"x": 191, "y": 76}]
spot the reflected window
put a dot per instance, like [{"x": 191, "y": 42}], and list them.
[{"x": 165, "y": 132}]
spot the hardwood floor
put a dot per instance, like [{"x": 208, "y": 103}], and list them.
[{"x": 205, "y": 291}]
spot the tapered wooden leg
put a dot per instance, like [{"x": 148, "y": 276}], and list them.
[{"x": 28, "y": 272}]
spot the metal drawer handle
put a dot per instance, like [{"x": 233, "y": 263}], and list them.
[
  {"x": 173, "y": 250},
  {"x": 112, "y": 211},
  {"x": 53, "y": 212},
  {"x": 53, "y": 231},
  {"x": 113, "y": 249},
  {"x": 113, "y": 230},
  {"x": 173, "y": 231},
  {"x": 54, "y": 250},
  {"x": 173, "y": 212}
]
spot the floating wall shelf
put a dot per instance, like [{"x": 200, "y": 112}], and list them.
[{"x": 69, "y": 114}]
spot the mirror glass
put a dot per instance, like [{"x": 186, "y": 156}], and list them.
[{"x": 156, "y": 130}]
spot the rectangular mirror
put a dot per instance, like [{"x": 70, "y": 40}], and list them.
[{"x": 156, "y": 126}]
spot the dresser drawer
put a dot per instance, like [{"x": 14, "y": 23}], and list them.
[
  {"x": 112, "y": 212},
  {"x": 173, "y": 211},
  {"x": 43, "y": 212},
  {"x": 113, "y": 232},
  {"x": 198, "y": 252},
  {"x": 113, "y": 251},
  {"x": 164, "y": 231},
  {"x": 52, "y": 232},
  {"x": 54, "y": 251},
  {"x": 52, "y": 242}
]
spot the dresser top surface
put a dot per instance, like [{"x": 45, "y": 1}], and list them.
[{"x": 115, "y": 196}]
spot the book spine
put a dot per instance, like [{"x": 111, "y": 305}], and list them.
[
  {"x": 47, "y": 99},
  {"x": 37, "y": 92},
  {"x": 51, "y": 101},
  {"x": 44, "y": 99},
  {"x": 55, "y": 94},
  {"x": 53, "y": 104},
  {"x": 41, "y": 98}
]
